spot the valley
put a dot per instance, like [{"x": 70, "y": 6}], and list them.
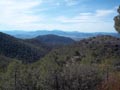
[
  {"x": 59, "y": 45},
  {"x": 59, "y": 63}
]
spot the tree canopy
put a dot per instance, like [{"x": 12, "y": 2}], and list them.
[{"x": 117, "y": 21}]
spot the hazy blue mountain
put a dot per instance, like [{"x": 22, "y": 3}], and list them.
[
  {"x": 74, "y": 35},
  {"x": 51, "y": 41}
]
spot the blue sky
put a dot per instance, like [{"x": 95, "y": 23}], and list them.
[{"x": 66, "y": 15}]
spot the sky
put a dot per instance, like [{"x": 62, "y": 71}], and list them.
[{"x": 66, "y": 15}]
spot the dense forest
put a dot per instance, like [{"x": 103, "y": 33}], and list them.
[
  {"x": 90, "y": 64},
  {"x": 34, "y": 64}
]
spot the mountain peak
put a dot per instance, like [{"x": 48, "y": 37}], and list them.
[{"x": 54, "y": 40}]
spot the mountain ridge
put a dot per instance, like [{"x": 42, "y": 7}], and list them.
[
  {"x": 30, "y": 50},
  {"x": 16, "y": 48},
  {"x": 73, "y": 34}
]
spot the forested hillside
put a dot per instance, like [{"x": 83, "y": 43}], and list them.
[
  {"x": 19, "y": 49},
  {"x": 59, "y": 45},
  {"x": 95, "y": 49},
  {"x": 90, "y": 64}
]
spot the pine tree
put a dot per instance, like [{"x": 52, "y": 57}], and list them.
[{"x": 117, "y": 21}]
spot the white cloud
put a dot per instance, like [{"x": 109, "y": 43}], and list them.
[
  {"x": 98, "y": 21},
  {"x": 100, "y": 13},
  {"x": 98, "y": 16},
  {"x": 14, "y": 12},
  {"x": 21, "y": 14}
]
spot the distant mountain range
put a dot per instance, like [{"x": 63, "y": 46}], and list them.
[
  {"x": 38, "y": 44},
  {"x": 74, "y": 35}
]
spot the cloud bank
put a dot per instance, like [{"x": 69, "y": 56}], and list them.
[{"x": 37, "y": 15}]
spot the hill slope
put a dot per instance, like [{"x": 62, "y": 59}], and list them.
[
  {"x": 93, "y": 50},
  {"x": 92, "y": 63},
  {"x": 51, "y": 41},
  {"x": 17, "y": 48}
]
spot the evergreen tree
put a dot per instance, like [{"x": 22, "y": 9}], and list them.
[{"x": 117, "y": 21}]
